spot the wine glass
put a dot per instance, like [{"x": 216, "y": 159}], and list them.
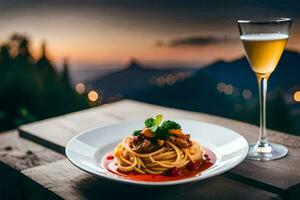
[{"x": 264, "y": 42}]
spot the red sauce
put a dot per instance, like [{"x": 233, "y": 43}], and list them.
[
  {"x": 110, "y": 157},
  {"x": 109, "y": 163}
]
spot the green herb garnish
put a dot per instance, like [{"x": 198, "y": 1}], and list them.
[
  {"x": 152, "y": 123},
  {"x": 136, "y": 132},
  {"x": 162, "y": 134},
  {"x": 149, "y": 122},
  {"x": 161, "y": 131},
  {"x": 168, "y": 125}
]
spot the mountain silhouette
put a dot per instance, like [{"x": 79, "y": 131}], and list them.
[
  {"x": 199, "y": 92},
  {"x": 239, "y": 73},
  {"x": 131, "y": 80},
  {"x": 134, "y": 66}
]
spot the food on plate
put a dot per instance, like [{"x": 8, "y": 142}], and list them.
[{"x": 160, "y": 148}]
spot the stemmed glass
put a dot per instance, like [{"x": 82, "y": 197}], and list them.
[{"x": 264, "y": 42}]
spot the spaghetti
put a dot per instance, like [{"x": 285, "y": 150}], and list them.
[
  {"x": 159, "y": 148},
  {"x": 157, "y": 162}
]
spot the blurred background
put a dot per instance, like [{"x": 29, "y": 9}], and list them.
[{"x": 62, "y": 56}]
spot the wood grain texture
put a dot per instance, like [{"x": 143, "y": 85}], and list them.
[
  {"x": 275, "y": 176},
  {"x": 68, "y": 182},
  {"x": 61, "y": 129},
  {"x": 22, "y": 154},
  {"x": 17, "y": 154}
]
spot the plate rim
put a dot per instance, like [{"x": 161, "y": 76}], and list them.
[{"x": 152, "y": 183}]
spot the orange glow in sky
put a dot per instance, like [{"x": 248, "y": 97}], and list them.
[{"x": 102, "y": 36}]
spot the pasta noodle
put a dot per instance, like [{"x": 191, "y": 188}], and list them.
[{"x": 157, "y": 162}]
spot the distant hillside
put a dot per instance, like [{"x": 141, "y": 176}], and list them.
[
  {"x": 199, "y": 92},
  {"x": 239, "y": 73},
  {"x": 86, "y": 75},
  {"x": 135, "y": 78},
  {"x": 228, "y": 89}
]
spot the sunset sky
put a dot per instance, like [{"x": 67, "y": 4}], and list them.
[{"x": 104, "y": 34}]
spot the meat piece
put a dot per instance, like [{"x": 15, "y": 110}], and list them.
[
  {"x": 187, "y": 136},
  {"x": 147, "y": 133},
  {"x": 141, "y": 144},
  {"x": 182, "y": 142}
]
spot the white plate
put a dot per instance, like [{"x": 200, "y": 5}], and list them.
[{"x": 87, "y": 149}]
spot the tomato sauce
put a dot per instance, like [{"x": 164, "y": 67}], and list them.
[{"x": 109, "y": 164}]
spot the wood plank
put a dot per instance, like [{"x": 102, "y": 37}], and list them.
[
  {"x": 61, "y": 129},
  {"x": 68, "y": 182},
  {"x": 276, "y": 176},
  {"x": 17, "y": 154},
  {"x": 22, "y": 154},
  {"x": 280, "y": 174}
]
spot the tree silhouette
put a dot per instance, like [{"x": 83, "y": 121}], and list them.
[
  {"x": 65, "y": 73},
  {"x": 19, "y": 45},
  {"x": 30, "y": 89},
  {"x": 4, "y": 58}
]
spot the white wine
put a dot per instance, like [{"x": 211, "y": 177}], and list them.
[
  {"x": 264, "y": 42},
  {"x": 264, "y": 51}
]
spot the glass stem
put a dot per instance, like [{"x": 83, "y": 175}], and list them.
[{"x": 262, "y": 88}]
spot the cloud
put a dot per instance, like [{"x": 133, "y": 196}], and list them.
[{"x": 194, "y": 41}]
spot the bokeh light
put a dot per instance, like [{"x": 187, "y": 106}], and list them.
[
  {"x": 297, "y": 96},
  {"x": 228, "y": 89},
  {"x": 80, "y": 88},
  {"x": 247, "y": 94},
  {"x": 93, "y": 95},
  {"x": 170, "y": 79},
  {"x": 221, "y": 86}
]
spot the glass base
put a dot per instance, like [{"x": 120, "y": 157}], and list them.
[{"x": 266, "y": 152}]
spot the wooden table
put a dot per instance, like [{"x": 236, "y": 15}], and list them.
[{"x": 57, "y": 178}]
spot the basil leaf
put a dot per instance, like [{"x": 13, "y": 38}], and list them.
[
  {"x": 153, "y": 128},
  {"x": 158, "y": 119}
]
